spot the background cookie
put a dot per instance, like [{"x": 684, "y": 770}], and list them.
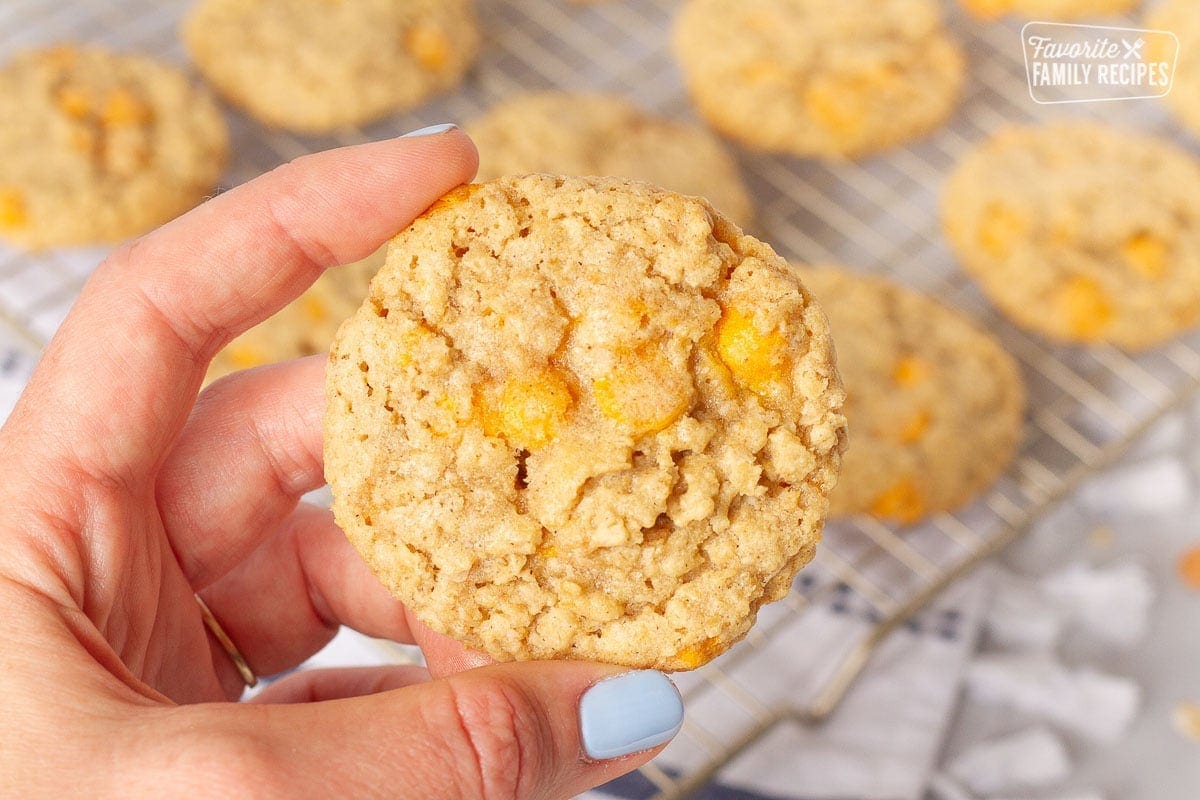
[
  {"x": 305, "y": 326},
  {"x": 934, "y": 404},
  {"x": 816, "y": 78},
  {"x": 1081, "y": 232},
  {"x": 1048, "y": 9},
  {"x": 584, "y": 418},
  {"x": 98, "y": 146},
  {"x": 320, "y": 66},
  {"x": 1181, "y": 17},
  {"x": 563, "y": 133}
]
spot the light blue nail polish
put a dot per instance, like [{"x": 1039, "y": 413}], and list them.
[
  {"x": 432, "y": 130},
  {"x": 628, "y": 713}
]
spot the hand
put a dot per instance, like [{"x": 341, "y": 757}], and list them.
[{"x": 124, "y": 494}]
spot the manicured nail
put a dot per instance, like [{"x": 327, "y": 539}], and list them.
[
  {"x": 432, "y": 130},
  {"x": 629, "y": 713}
]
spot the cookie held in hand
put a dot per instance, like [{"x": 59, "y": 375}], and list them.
[{"x": 584, "y": 419}]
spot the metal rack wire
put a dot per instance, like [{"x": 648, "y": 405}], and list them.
[{"x": 1087, "y": 405}]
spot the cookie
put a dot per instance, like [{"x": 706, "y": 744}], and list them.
[
  {"x": 564, "y": 133},
  {"x": 1048, "y": 9},
  {"x": 1180, "y": 17},
  {"x": 584, "y": 418},
  {"x": 317, "y": 66},
  {"x": 934, "y": 404},
  {"x": 98, "y": 146},
  {"x": 815, "y": 78},
  {"x": 305, "y": 326},
  {"x": 1081, "y": 232}
]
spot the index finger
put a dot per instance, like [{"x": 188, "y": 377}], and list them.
[{"x": 120, "y": 377}]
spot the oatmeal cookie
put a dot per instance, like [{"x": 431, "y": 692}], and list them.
[
  {"x": 1081, "y": 232},
  {"x": 584, "y": 418},
  {"x": 319, "y": 65},
  {"x": 934, "y": 404},
  {"x": 98, "y": 146},
  {"x": 563, "y": 133},
  {"x": 815, "y": 78}
]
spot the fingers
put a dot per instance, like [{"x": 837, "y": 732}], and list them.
[
  {"x": 285, "y": 601},
  {"x": 318, "y": 685},
  {"x": 251, "y": 448},
  {"x": 532, "y": 730},
  {"x": 119, "y": 378}
]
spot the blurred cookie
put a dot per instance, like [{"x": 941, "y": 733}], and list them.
[
  {"x": 305, "y": 326},
  {"x": 563, "y": 133},
  {"x": 934, "y": 404},
  {"x": 1049, "y": 9},
  {"x": 1081, "y": 232},
  {"x": 815, "y": 78},
  {"x": 99, "y": 147},
  {"x": 318, "y": 66},
  {"x": 584, "y": 418},
  {"x": 1181, "y": 17}
]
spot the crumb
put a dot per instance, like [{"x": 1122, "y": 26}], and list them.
[
  {"x": 1187, "y": 719},
  {"x": 1189, "y": 568}
]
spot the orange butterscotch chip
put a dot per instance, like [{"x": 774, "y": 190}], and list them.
[
  {"x": 1147, "y": 255},
  {"x": 13, "y": 211},
  {"x": 529, "y": 409},
  {"x": 902, "y": 503},
  {"x": 1189, "y": 568},
  {"x": 1001, "y": 225},
  {"x": 911, "y": 371},
  {"x": 123, "y": 108},
  {"x": 836, "y": 105},
  {"x": 1085, "y": 307},
  {"x": 841, "y": 104},
  {"x": 314, "y": 308},
  {"x": 428, "y": 45},
  {"x": 74, "y": 102},
  {"x": 988, "y": 8},
  {"x": 696, "y": 655},
  {"x": 643, "y": 393},
  {"x": 245, "y": 356},
  {"x": 756, "y": 358},
  {"x": 914, "y": 428}
]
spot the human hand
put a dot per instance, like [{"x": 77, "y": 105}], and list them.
[{"x": 124, "y": 494}]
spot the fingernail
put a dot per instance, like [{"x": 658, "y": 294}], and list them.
[
  {"x": 432, "y": 130},
  {"x": 629, "y": 713}
]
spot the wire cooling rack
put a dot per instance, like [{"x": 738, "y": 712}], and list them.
[{"x": 879, "y": 215}]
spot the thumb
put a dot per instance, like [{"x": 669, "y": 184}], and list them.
[{"x": 508, "y": 731}]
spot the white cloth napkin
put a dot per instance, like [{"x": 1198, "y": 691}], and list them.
[{"x": 880, "y": 744}]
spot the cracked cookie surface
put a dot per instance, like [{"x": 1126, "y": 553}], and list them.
[
  {"x": 565, "y": 133},
  {"x": 98, "y": 146},
  {"x": 934, "y": 404},
  {"x": 305, "y": 326},
  {"x": 1081, "y": 232},
  {"x": 320, "y": 65},
  {"x": 815, "y": 78},
  {"x": 585, "y": 419}
]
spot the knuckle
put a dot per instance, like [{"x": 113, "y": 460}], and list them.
[{"x": 499, "y": 738}]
